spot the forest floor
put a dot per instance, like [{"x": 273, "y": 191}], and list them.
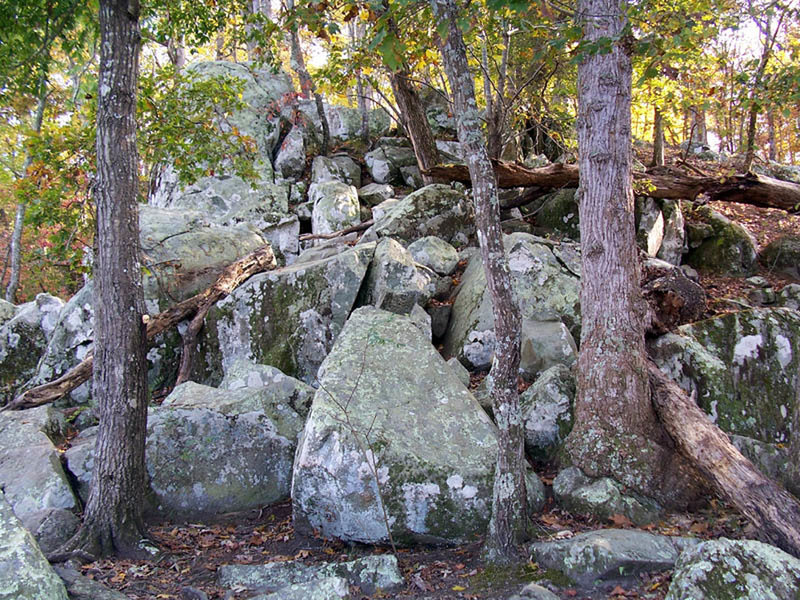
[{"x": 192, "y": 552}]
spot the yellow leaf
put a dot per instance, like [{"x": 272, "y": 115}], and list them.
[{"x": 458, "y": 588}]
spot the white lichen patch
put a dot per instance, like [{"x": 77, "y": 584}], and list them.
[
  {"x": 747, "y": 347},
  {"x": 419, "y": 500}
]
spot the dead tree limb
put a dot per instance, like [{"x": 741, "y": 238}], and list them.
[
  {"x": 773, "y": 511},
  {"x": 340, "y": 233},
  {"x": 231, "y": 277}
]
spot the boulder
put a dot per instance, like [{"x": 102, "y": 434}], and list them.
[
  {"x": 30, "y": 468},
  {"x": 412, "y": 177},
  {"x": 533, "y": 591},
  {"x": 287, "y": 318},
  {"x": 83, "y": 588},
  {"x": 51, "y": 527},
  {"x": 374, "y": 193},
  {"x": 545, "y": 344},
  {"x": 602, "y": 498},
  {"x": 435, "y": 253},
  {"x": 610, "y": 554},
  {"x": 379, "y": 211},
  {"x": 723, "y": 247},
  {"x": 436, "y": 209},
  {"x": 789, "y": 296},
  {"x": 339, "y": 168},
  {"x": 377, "y": 573},
  {"x": 393, "y": 283},
  {"x": 324, "y": 588},
  {"x": 673, "y": 246},
  {"x": 291, "y": 159},
  {"x": 559, "y": 211},
  {"x": 335, "y": 206},
  {"x": 392, "y": 428},
  {"x": 544, "y": 290},
  {"x": 274, "y": 387},
  {"x": 783, "y": 256},
  {"x": 741, "y": 367},
  {"x": 23, "y": 339},
  {"x": 725, "y": 569},
  {"x": 7, "y": 311},
  {"x": 649, "y": 225},
  {"x": 547, "y": 412},
  {"x": 25, "y": 573},
  {"x": 384, "y": 163}
]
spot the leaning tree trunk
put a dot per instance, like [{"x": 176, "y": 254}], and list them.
[
  {"x": 658, "y": 139},
  {"x": 616, "y": 432},
  {"x": 508, "y": 523},
  {"x": 113, "y": 518}
]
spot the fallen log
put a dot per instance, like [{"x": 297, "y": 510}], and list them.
[
  {"x": 231, "y": 277},
  {"x": 749, "y": 188},
  {"x": 329, "y": 236},
  {"x": 772, "y": 510}
]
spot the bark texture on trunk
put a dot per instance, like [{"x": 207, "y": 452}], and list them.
[
  {"x": 616, "y": 432},
  {"x": 773, "y": 511},
  {"x": 658, "y": 139},
  {"x": 113, "y": 518},
  {"x": 507, "y": 527},
  {"x": 415, "y": 122}
]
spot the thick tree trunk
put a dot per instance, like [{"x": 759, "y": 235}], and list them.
[
  {"x": 415, "y": 122},
  {"x": 507, "y": 527},
  {"x": 658, "y": 139},
  {"x": 113, "y": 517},
  {"x": 232, "y": 277},
  {"x": 773, "y": 511},
  {"x": 616, "y": 433}
]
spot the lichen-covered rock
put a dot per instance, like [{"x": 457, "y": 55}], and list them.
[
  {"x": 533, "y": 591},
  {"x": 544, "y": 344},
  {"x": 51, "y": 527},
  {"x": 783, "y": 256},
  {"x": 339, "y": 168},
  {"x": 610, "y": 554},
  {"x": 325, "y": 588},
  {"x": 601, "y": 498},
  {"x": 370, "y": 573},
  {"x": 23, "y": 339},
  {"x": 649, "y": 225},
  {"x": 335, "y": 206},
  {"x": 274, "y": 387},
  {"x": 729, "y": 248},
  {"x": 83, "y": 588},
  {"x": 725, "y": 569},
  {"x": 392, "y": 427},
  {"x": 287, "y": 318},
  {"x": 545, "y": 290},
  {"x": 25, "y": 573},
  {"x": 384, "y": 163},
  {"x": 789, "y": 296},
  {"x": 435, "y": 253},
  {"x": 393, "y": 282},
  {"x": 7, "y": 311},
  {"x": 374, "y": 193},
  {"x": 547, "y": 411},
  {"x": 412, "y": 176},
  {"x": 773, "y": 460},
  {"x": 742, "y": 368},
  {"x": 559, "y": 211},
  {"x": 30, "y": 469},
  {"x": 673, "y": 246},
  {"x": 291, "y": 159}
]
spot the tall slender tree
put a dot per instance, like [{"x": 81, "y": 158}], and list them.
[{"x": 507, "y": 527}]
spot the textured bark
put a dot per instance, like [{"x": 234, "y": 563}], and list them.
[
  {"x": 757, "y": 190},
  {"x": 507, "y": 527},
  {"x": 658, "y": 139},
  {"x": 415, "y": 122},
  {"x": 774, "y": 512},
  {"x": 616, "y": 433},
  {"x": 232, "y": 277},
  {"x": 113, "y": 517}
]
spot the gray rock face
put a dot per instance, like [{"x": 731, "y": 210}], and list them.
[
  {"x": 602, "y": 498},
  {"x": 544, "y": 288},
  {"x": 723, "y": 247},
  {"x": 393, "y": 282},
  {"x": 547, "y": 411},
  {"x": 610, "y": 554},
  {"x": 335, "y": 206},
  {"x": 375, "y": 193},
  {"x": 435, "y": 254},
  {"x": 339, "y": 168},
  {"x": 783, "y": 256},
  {"x": 325, "y": 588},
  {"x": 371, "y": 573},
  {"x": 7, "y": 311},
  {"x": 274, "y": 387},
  {"x": 673, "y": 246},
  {"x": 287, "y": 318},
  {"x": 397, "y": 391},
  {"x": 649, "y": 225},
  {"x": 559, "y": 212},
  {"x": 741, "y": 367},
  {"x": 51, "y": 527},
  {"x": 83, "y": 588},
  {"x": 291, "y": 159},
  {"x": 534, "y": 592},
  {"x": 725, "y": 569},
  {"x": 30, "y": 469},
  {"x": 433, "y": 210},
  {"x": 23, "y": 338},
  {"x": 543, "y": 345},
  {"x": 384, "y": 163},
  {"x": 25, "y": 574}
]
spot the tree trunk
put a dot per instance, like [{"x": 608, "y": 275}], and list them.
[
  {"x": 773, "y": 142},
  {"x": 415, "y": 122},
  {"x": 658, "y": 139},
  {"x": 507, "y": 527},
  {"x": 496, "y": 111},
  {"x": 699, "y": 129},
  {"x": 773, "y": 511},
  {"x": 113, "y": 518},
  {"x": 616, "y": 433}
]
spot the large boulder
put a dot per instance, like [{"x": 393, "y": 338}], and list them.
[
  {"x": 25, "y": 573},
  {"x": 673, "y": 245},
  {"x": 384, "y": 163},
  {"x": 335, "y": 206},
  {"x": 544, "y": 288},
  {"x": 742, "y": 368},
  {"x": 547, "y": 411},
  {"x": 725, "y": 569},
  {"x": 290, "y": 161},
  {"x": 23, "y": 339},
  {"x": 436, "y": 209},
  {"x": 340, "y": 168},
  {"x": 435, "y": 253},
  {"x": 392, "y": 428},
  {"x": 718, "y": 245},
  {"x": 559, "y": 211},
  {"x": 393, "y": 282},
  {"x": 287, "y": 318},
  {"x": 783, "y": 256}
]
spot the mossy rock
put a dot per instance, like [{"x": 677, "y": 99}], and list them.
[
  {"x": 729, "y": 250},
  {"x": 783, "y": 256}
]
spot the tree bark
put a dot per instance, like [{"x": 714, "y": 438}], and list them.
[
  {"x": 774, "y": 512},
  {"x": 658, "y": 139},
  {"x": 232, "y": 277},
  {"x": 507, "y": 526},
  {"x": 113, "y": 517},
  {"x": 616, "y": 433}
]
